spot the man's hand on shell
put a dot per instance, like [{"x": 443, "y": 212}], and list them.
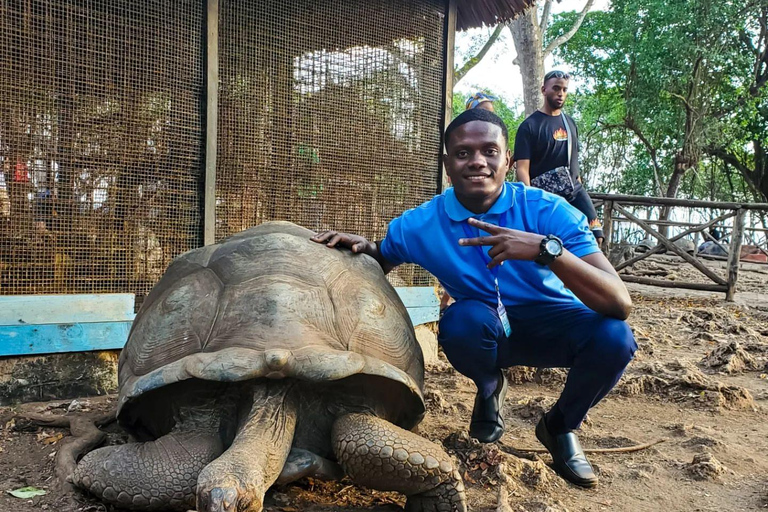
[{"x": 355, "y": 243}]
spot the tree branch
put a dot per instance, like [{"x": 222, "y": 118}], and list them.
[
  {"x": 730, "y": 159},
  {"x": 630, "y": 124},
  {"x": 475, "y": 60},
  {"x": 555, "y": 43},
  {"x": 688, "y": 106},
  {"x": 545, "y": 16}
]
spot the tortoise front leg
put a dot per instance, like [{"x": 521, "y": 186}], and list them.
[
  {"x": 157, "y": 475},
  {"x": 238, "y": 480},
  {"x": 380, "y": 455}
]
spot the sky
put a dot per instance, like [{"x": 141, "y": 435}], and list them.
[{"x": 496, "y": 71}]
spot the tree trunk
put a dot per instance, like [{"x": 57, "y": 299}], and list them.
[
  {"x": 527, "y": 37},
  {"x": 674, "y": 185}
]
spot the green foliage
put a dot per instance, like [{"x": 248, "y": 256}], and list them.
[{"x": 667, "y": 83}]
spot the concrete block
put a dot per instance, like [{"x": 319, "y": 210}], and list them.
[{"x": 427, "y": 338}]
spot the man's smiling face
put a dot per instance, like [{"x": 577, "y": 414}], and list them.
[{"x": 477, "y": 160}]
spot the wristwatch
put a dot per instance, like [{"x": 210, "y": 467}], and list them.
[{"x": 551, "y": 248}]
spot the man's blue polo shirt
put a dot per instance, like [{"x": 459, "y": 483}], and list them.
[{"x": 429, "y": 236}]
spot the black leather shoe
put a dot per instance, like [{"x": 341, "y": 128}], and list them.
[
  {"x": 568, "y": 458},
  {"x": 487, "y": 425}
]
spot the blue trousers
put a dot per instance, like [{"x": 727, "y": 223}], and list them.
[{"x": 596, "y": 348}]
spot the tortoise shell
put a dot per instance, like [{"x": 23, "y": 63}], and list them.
[{"x": 270, "y": 303}]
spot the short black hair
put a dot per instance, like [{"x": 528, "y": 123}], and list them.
[
  {"x": 476, "y": 114},
  {"x": 556, "y": 73}
]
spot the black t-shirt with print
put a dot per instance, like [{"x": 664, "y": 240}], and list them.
[{"x": 543, "y": 140}]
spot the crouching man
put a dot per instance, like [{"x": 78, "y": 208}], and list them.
[{"x": 531, "y": 287}]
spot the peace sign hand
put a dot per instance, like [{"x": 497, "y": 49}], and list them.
[{"x": 506, "y": 244}]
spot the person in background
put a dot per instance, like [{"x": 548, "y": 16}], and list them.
[
  {"x": 547, "y": 151},
  {"x": 480, "y": 100}
]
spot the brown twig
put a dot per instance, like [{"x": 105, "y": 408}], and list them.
[
  {"x": 622, "y": 449},
  {"x": 85, "y": 437}
]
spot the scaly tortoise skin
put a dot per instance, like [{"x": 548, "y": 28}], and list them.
[{"x": 263, "y": 359}]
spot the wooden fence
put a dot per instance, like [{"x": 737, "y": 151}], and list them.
[{"x": 616, "y": 208}]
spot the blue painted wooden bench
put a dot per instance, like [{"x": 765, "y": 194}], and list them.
[{"x": 48, "y": 324}]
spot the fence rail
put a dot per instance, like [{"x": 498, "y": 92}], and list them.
[{"x": 616, "y": 208}]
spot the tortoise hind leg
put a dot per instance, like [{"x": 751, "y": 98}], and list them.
[
  {"x": 380, "y": 455},
  {"x": 157, "y": 475},
  {"x": 238, "y": 480}
]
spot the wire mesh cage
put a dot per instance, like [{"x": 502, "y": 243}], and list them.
[
  {"x": 100, "y": 146},
  {"x": 329, "y": 116}
]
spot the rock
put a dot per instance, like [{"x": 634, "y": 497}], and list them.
[
  {"x": 730, "y": 358},
  {"x": 435, "y": 400},
  {"x": 521, "y": 374},
  {"x": 705, "y": 467},
  {"x": 684, "y": 381},
  {"x": 545, "y": 376},
  {"x": 642, "y": 385},
  {"x": 532, "y": 409}
]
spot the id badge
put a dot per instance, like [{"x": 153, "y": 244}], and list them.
[{"x": 502, "y": 311}]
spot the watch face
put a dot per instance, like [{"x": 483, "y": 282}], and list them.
[{"x": 553, "y": 247}]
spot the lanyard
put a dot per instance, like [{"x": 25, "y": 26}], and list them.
[{"x": 500, "y": 309}]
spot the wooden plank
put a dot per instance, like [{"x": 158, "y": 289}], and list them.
[
  {"x": 27, "y": 340},
  {"x": 673, "y": 284},
  {"x": 63, "y": 309},
  {"x": 424, "y": 315},
  {"x": 211, "y": 120},
  {"x": 735, "y": 254},
  {"x": 607, "y": 226},
  {"x": 655, "y": 222},
  {"x": 670, "y": 246},
  {"x": 450, "y": 43},
  {"x": 670, "y": 201},
  {"x": 418, "y": 296},
  {"x": 654, "y": 250}
]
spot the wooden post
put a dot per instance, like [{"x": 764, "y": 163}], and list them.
[
  {"x": 211, "y": 119},
  {"x": 734, "y": 253},
  {"x": 607, "y": 226},
  {"x": 450, "y": 38}
]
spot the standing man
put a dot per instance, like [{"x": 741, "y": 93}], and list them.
[
  {"x": 547, "y": 150},
  {"x": 531, "y": 287}
]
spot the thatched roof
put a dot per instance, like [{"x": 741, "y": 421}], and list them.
[{"x": 476, "y": 13}]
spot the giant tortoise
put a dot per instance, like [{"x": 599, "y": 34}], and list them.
[{"x": 262, "y": 359}]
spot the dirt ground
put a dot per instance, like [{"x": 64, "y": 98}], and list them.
[{"x": 699, "y": 384}]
